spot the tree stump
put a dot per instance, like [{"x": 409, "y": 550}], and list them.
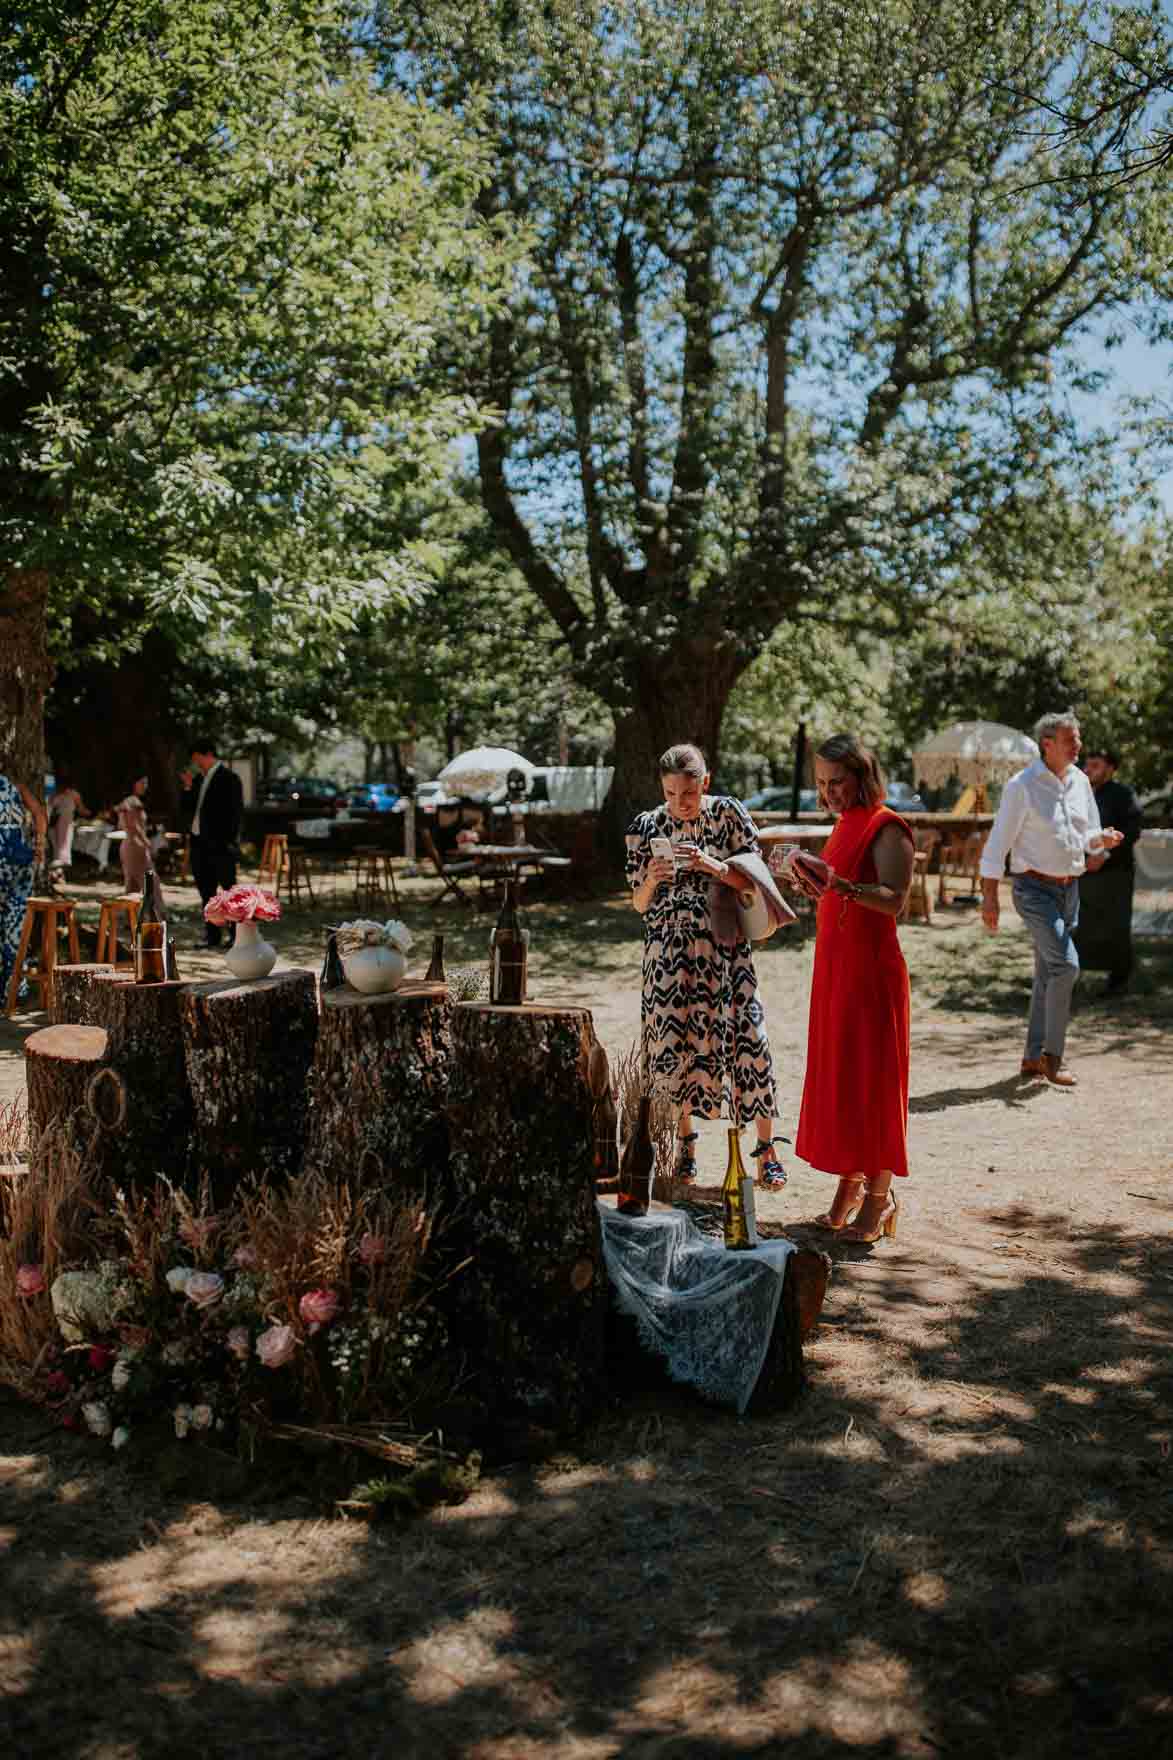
[
  {"x": 61, "y": 1067},
  {"x": 532, "y": 1309},
  {"x": 379, "y": 1085},
  {"x": 145, "y": 1032},
  {"x": 248, "y": 1050},
  {"x": 75, "y": 1000}
]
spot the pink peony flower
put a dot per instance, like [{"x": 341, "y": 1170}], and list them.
[
  {"x": 100, "y": 1358},
  {"x": 239, "y": 1342},
  {"x": 276, "y": 1345},
  {"x": 241, "y": 904},
  {"x": 372, "y": 1249},
  {"x": 318, "y": 1307},
  {"x": 204, "y": 1289},
  {"x": 30, "y": 1280}
]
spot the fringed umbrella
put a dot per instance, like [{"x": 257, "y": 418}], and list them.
[{"x": 478, "y": 772}]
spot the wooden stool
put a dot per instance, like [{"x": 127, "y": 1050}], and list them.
[
  {"x": 296, "y": 874},
  {"x": 374, "y": 878},
  {"x": 109, "y": 921},
  {"x": 46, "y": 911},
  {"x": 274, "y": 858},
  {"x": 917, "y": 903}
]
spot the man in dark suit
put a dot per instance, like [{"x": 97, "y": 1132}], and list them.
[
  {"x": 217, "y": 807},
  {"x": 1104, "y": 935}
]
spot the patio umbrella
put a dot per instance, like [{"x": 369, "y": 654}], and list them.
[
  {"x": 481, "y": 770},
  {"x": 976, "y": 752}
]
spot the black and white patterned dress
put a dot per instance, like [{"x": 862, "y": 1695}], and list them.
[{"x": 704, "y": 1031}]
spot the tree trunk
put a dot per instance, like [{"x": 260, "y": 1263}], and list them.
[
  {"x": 60, "y": 1066},
  {"x": 26, "y": 673},
  {"x": 532, "y": 1309},
  {"x": 248, "y": 1050},
  {"x": 379, "y": 1085},
  {"x": 145, "y": 1034},
  {"x": 77, "y": 1000}
]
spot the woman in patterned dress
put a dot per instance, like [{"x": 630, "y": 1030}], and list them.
[
  {"x": 704, "y": 1033},
  {"x": 17, "y": 857}
]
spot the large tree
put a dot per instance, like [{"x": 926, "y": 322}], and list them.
[
  {"x": 224, "y": 256},
  {"x": 793, "y": 344}
]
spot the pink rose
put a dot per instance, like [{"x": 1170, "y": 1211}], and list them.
[
  {"x": 57, "y": 1384},
  {"x": 100, "y": 1358},
  {"x": 239, "y": 1342},
  {"x": 318, "y": 1307},
  {"x": 245, "y": 1258},
  {"x": 276, "y": 1346},
  {"x": 372, "y": 1249},
  {"x": 204, "y": 1289},
  {"x": 30, "y": 1280}
]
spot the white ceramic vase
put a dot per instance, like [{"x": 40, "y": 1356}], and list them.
[
  {"x": 249, "y": 956},
  {"x": 374, "y": 969}
]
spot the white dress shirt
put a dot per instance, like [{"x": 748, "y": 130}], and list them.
[
  {"x": 1045, "y": 822},
  {"x": 195, "y": 818}
]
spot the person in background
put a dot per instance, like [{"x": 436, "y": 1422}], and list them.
[
  {"x": 63, "y": 810},
  {"x": 854, "y": 1117},
  {"x": 18, "y": 858},
  {"x": 704, "y": 1031},
  {"x": 1103, "y": 934},
  {"x": 134, "y": 852},
  {"x": 1048, "y": 825},
  {"x": 217, "y": 813}
]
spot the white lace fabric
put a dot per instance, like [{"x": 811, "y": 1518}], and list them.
[{"x": 707, "y": 1312}]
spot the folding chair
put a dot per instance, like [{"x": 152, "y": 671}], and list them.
[{"x": 451, "y": 873}]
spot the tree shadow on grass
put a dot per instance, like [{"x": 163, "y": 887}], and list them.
[{"x": 960, "y": 1543}]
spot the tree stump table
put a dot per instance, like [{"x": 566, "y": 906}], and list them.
[
  {"x": 75, "y": 999},
  {"x": 76, "y": 1103},
  {"x": 248, "y": 1049},
  {"x": 145, "y": 1032},
  {"x": 379, "y": 1084},
  {"x": 533, "y": 1305}
]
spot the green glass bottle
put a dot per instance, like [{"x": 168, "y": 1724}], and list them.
[{"x": 737, "y": 1200}]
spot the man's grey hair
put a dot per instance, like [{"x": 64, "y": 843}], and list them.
[{"x": 1047, "y": 726}]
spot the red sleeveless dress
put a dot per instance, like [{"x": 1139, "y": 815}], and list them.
[{"x": 854, "y": 1116}]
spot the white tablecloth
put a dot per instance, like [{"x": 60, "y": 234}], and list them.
[
  {"x": 319, "y": 828},
  {"x": 1154, "y": 859},
  {"x": 98, "y": 842}
]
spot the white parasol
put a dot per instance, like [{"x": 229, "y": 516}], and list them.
[
  {"x": 976, "y": 752},
  {"x": 481, "y": 770}
]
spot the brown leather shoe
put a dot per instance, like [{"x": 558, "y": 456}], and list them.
[
  {"x": 1032, "y": 1066},
  {"x": 1055, "y": 1073}
]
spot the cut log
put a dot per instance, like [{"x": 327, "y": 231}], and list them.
[
  {"x": 73, "y": 1099},
  {"x": 248, "y": 1050},
  {"x": 75, "y": 1002},
  {"x": 145, "y": 1033},
  {"x": 379, "y": 1085},
  {"x": 532, "y": 1308}
]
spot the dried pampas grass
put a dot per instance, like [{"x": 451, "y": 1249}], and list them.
[{"x": 626, "y": 1087}]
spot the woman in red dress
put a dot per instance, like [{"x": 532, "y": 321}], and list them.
[{"x": 854, "y": 1118}]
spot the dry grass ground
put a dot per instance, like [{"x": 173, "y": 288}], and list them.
[{"x": 959, "y": 1544}]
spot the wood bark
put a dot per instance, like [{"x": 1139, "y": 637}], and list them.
[
  {"x": 248, "y": 1050},
  {"x": 145, "y": 1031},
  {"x": 76, "y": 998},
  {"x": 533, "y": 1306},
  {"x": 379, "y": 1085},
  {"x": 61, "y": 1064}
]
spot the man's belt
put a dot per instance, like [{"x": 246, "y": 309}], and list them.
[{"x": 1050, "y": 879}]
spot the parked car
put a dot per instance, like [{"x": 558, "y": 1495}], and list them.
[
  {"x": 780, "y": 800},
  {"x": 301, "y": 791},
  {"x": 902, "y": 798},
  {"x": 430, "y": 795},
  {"x": 373, "y": 797}
]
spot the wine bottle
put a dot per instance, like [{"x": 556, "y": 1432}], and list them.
[
  {"x": 507, "y": 954},
  {"x": 333, "y": 977},
  {"x": 435, "y": 973},
  {"x": 150, "y": 935},
  {"x": 737, "y": 1200},
  {"x": 635, "y": 1166}
]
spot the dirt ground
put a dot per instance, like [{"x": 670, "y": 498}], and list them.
[{"x": 960, "y": 1542}]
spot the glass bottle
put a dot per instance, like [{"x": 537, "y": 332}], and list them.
[
  {"x": 605, "y": 1129},
  {"x": 507, "y": 954},
  {"x": 150, "y": 935},
  {"x": 635, "y": 1166},
  {"x": 435, "y": 973},
  {"x": 737, "y": 1200},
  {"x": 333, "y": 977}
]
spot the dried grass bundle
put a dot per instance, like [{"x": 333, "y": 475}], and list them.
[
  {"x": 41, "y": 1221},
  {"x": 627, "y": 1086},
  {"x": 14, "y": 1132}
]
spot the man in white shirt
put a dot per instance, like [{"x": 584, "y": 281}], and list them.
[{"x": 1047, "y": 823}]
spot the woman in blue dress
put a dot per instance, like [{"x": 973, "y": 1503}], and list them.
[
  {"x": 704, "y": 1032},
  {"x": 17, "y": 858}
]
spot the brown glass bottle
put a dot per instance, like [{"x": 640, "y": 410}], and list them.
[
  {"x": 507, "y": 954},
  {"x": 605, "y": 1130},
  {"x": 333, "y": 977},
  {"x": 435, "y": 973},
  {"x": 636, "y": 1163},
  {"x": 150, "y": 935},
  {"x": 737, "y": 1200}
]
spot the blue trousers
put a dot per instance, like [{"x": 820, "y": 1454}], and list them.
[{"x": 1050, "y": 913}]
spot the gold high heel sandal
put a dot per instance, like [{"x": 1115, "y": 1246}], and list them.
[
  {"x": 885, "y": 1226},
  {"x": 826, "y": 1221}
]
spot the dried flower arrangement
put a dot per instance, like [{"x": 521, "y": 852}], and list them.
[
  {"x": 626, "y": 1087},
  {"x": 352, "y": 937}
]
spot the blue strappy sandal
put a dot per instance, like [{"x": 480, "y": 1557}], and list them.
[{"x": 772, "y": 1173}]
